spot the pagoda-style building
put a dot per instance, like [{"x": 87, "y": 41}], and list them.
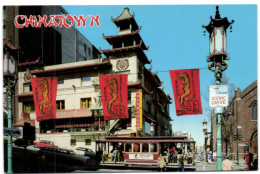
[{"x": 128, "y": 57}]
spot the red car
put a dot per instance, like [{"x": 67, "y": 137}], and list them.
[{"x": 44, "y": 143}]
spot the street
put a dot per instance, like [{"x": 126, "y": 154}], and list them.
[{"x": 200, "y": 167}]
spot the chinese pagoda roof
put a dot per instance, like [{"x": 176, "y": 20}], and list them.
[
  {"x": 77, "y": 68},
  {"x": 135, "y": 35},
  {"x": 140, "y": 53},
  {"x": 152, "y": 77},
  {"x": 125, "y": 15}
]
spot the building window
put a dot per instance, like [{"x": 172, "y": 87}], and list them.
[
  {"x": 148, "y": 107},
  {"x": 73, "y": 142},
  {"x": 28, "y": 107},
  {"x": 85, "y": 48},
  {"x": 60, "y": 105},
  {"x": 254, "y": 112},
  {"x": 60, "y": 84},
  {"x": 4, "y": 12},
  {"x": 85, "y": 81},
  {"x": 129, "y": 98},
  {"x": 87, "y": 141},
  {"x": 89, "y": 51},
  {"x": 86, "y": 103},
  {"x": 27, "y": 87},
  {"x": 4, "y": 32}
]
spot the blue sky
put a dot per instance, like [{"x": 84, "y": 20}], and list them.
[{"x": 176, "y": 41}]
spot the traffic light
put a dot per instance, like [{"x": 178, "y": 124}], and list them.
[
  {"x": 235, "y": 137},
  {"x": 240, "y": 137}
]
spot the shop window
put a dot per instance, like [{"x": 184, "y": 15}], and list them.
[
  {"x": 254, "y": 112},
  {"x": 60, "y": 105},
  {"x": 86, "y": 103},
  {"x": 136, "y": 147},
  {"x": 60, "y": 84},
  {"x": 27, "y": 87},
  {"x": 73, "y": 142},
  {"x": 28, "y": 107},
  {"x": 145, "y": 147},
  {"x": 85, "y": 81},
  {"x": 128, "y": 147},
  {"x": 154, "y": 147}
]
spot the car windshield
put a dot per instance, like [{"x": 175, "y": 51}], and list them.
[{"x": 72, "y": 152}]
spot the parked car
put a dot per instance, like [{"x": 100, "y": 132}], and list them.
[
  {"x": 66, "y": 160},
  {"x": 44, "y": 143},
  {"x": 85, "y": 151}
]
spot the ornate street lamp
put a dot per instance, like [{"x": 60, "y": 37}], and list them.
[
  {"x": 218, "y": 56},
  {"x": 10, "y": 56}
]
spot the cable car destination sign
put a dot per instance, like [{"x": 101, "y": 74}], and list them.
[{"x": 218, "y": 95}]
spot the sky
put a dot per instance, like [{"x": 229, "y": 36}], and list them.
[{"x": 176, "y": 41}]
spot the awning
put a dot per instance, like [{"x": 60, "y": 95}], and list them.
[
  {"x": 25, "y": 118},
  {"x": 73, "y": 113}
]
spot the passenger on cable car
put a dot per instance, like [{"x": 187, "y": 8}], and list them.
[
  {"x": 175, "y": 156},
  {"x": 189, "y": 156},
  {"x": 113, "y": 157}
]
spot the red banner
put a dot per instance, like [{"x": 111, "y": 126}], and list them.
[
  {"x": 114, "y": 94},
  {"x": 186, "y": 89},
  {"x": 44, "y": 95}
]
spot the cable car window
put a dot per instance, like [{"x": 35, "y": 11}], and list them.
[
  {"x": 145, "y": 147},
  {"x": 154, "y": 147},
  {"x": 128, "y": 147},
  {"x": 136, "y": 147}
]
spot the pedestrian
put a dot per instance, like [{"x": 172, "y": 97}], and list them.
[
  {"x": 227, "y": 164},
  {"x": 161, "y": 163},
  {"x": 181, "y": 164}
]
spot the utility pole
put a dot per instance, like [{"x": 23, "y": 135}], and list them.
[{"x": 218, "y": 54}]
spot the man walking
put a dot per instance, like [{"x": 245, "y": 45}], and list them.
[{"x": 227, "y": 164}]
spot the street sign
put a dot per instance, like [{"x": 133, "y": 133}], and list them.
[
  {"x": 218, "y": 95},
  {"x": 12, "y": 131}
]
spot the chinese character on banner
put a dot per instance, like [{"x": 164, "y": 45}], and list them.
[
  {"x": 139, "y": 110},
  {"x": 44, "y": 96},
  {"x": 186, "y": 89},
  {"x": 114, "y": 94}
]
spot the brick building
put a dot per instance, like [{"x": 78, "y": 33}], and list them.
[{"x": 244, "y": 112}]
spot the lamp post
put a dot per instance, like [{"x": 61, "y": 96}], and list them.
[
  {"x": 218, "y": 54},
  {"x": 237, "y": 139},
  {"x": 152, "y": 129},
  {"x": 10, "y": 78},
  {"x": 206, "y": 133}
]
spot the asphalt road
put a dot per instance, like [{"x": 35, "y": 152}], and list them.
[{"x": 200, "y": 167}]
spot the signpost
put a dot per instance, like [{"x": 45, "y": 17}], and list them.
[
  {"x": 218, "y": 96},
  {"x": 12, "y": 131}
]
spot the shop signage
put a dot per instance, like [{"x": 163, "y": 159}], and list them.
[{"x": 139, "y": 113}]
